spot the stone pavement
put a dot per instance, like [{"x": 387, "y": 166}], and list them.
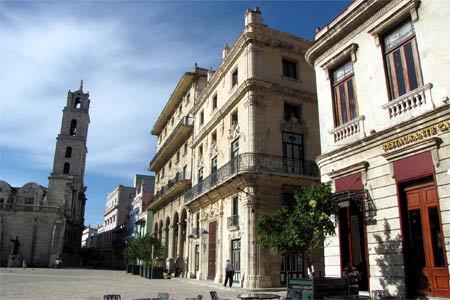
[{"x": 58, "y": 284}]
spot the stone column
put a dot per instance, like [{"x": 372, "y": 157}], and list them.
[
  {"x": 250, "y": 104},
  {"x": 252, "y": 263},
  {"x": 220, "y": 244},
  {"x": 180, "y": 232},
  {"x": 170, "y": 248}
]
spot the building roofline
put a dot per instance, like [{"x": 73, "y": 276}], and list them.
[{"x": 175, "y": 98}]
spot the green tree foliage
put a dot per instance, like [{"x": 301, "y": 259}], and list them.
[
  {"x": 141, "y": 248},
  {"x": 303, "y": 227}
]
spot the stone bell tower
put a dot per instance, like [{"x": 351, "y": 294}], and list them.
[{"x": 66, "y": 188}]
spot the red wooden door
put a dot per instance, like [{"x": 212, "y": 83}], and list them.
[
  {"x": 212, "y": 250},
  {"x": 426, "y": 261}
]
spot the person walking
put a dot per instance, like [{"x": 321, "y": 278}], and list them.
[{"x": 229, "y": 272}]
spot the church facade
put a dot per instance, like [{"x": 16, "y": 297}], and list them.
[{"x": 48, "y": 222}]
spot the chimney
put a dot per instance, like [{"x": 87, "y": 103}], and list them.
[
  {"x": 210, "y": 74},
  {"x": 225, "y": 51},
  {"x": 253, "y": 16}
]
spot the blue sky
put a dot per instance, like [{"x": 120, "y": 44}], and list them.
[{"x": 130, "y": 55}]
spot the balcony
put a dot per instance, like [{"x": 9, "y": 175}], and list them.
[
  {"x": 178, "y": 136},
  {"x": 174, "y": 187},
  {"x": 233, "y": 222},
  {"x": 349, "y": 131},
  {"x": 252, "y": 163},
  {"x": 410, "y": 105}
]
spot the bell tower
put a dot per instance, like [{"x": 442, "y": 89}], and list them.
[{"x": 66, "y": 182}]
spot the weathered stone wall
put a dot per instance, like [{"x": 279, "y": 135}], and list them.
[{"x": 34, "y": 230}]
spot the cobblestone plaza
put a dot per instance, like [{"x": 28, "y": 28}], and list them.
[{"x": 91, "y": 284}]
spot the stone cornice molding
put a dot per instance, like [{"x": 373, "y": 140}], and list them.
[
  {"x": 248, "y": 85},
  {"x": 249, "y": 38},
  {"x": 348, "y": 52},
  {"x": 380, "y": 137},
  {"x": 353, "y": 23},
  {"x": 361, "y": 166}
]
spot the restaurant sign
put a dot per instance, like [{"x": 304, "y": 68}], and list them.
[{"x": 417, "y": 135}]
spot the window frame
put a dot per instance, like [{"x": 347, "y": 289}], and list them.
[
  {"x": 289, "y": 61},
  {"x": 214, "y": 102},
  {"x": 335, "y": 84},
  {"x": 234, "y": 77},
  {"x": 392, "y": 80}
]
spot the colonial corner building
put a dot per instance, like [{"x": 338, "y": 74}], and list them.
[
  {"x": 234, "y": 143},
  {"x": 48, "y": 223},
  {"x": 384, "y": 111}
]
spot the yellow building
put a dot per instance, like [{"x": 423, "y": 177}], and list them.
[{"x": 250, "y": 134}]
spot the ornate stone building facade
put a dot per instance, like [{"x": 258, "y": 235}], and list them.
[
  {"x": 250, "y": 142},
  {"x": 49, "y": 222},
  {"x": 385, "y": 122}
]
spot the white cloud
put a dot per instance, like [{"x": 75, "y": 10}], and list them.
[{"x": 43, "y": 55}]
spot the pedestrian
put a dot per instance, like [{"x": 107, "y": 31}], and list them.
[
  {"x": 24, "y": 263},
  {"x": 229, "y": 272}
]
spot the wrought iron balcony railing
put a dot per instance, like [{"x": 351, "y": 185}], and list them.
[
  {"x": 179, "y": 177},
  {"x": 233, "y": 221},
  {"x": 248, "y": 163},
  {"x": 186, "y": 121}
]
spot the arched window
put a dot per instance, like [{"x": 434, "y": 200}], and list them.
[
  {"x": 77, "y": 102},
  {"x": 73, "y": 127},
  {"x": 66, "y": 169},
  {"x": 68, "y": 152}
]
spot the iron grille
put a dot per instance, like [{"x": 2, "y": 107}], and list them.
[{"x": 252, "y": 162}]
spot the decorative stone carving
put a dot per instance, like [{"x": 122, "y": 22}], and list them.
[
  {"x": 293, "y": 125},
  {"x": 211, "y": 211},
  {"x": 233, "y": 132},
  {"x": 214, "y": 150}
]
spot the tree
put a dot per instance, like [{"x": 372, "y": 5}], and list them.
[
  {"x": 302, "y": 228},
  {"x": 141, "y": 248}
]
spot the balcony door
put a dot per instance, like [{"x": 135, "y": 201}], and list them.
[
  {"x": 234, "y": 156},
  {"x": 426, "y": 265},
  {"x": 293, "y": 153}
]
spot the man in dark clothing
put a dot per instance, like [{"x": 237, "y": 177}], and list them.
[{"x": 229, "y": 272}]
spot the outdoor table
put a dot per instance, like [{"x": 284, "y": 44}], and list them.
[{"x": 258, "y": 296}]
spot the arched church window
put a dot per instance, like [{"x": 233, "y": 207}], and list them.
[
  {"x": 73, "y": 127},
  {"x": 66, "y": 168},
  {"x": 68, "y": 152}
]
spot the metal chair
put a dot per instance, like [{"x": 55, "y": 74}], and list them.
[
  {"x": 111, "y": 297},
  {"x": 163, "y": 296}
]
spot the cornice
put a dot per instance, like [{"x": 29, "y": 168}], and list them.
[
  {"x": 353, "y": 23},
  {"x": 259, "y": 38},
  {"x": 380, "y": 137}
]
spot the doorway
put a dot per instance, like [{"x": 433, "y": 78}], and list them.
[
  {"x": 425, "y": 261},
  {"x": 236, "y": 259},
  {"x": 212, "y": 250},
  {"x": 353, "y": 246}
]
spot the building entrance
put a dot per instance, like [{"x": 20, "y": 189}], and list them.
[
  {"x": 426, "y": 266},
  {"x": 212, "y": 250},
  {"x": 353, "y": 242}
]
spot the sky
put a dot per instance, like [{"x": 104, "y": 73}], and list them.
[{"x": 130, "y": 55}]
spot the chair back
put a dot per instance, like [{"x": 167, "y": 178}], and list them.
[
  {"x": 199, "y": 297},
  {"x": 214, "y": 295},
  {"x": 111, "y": 297},
  {"x": 163, "y": 296}
]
